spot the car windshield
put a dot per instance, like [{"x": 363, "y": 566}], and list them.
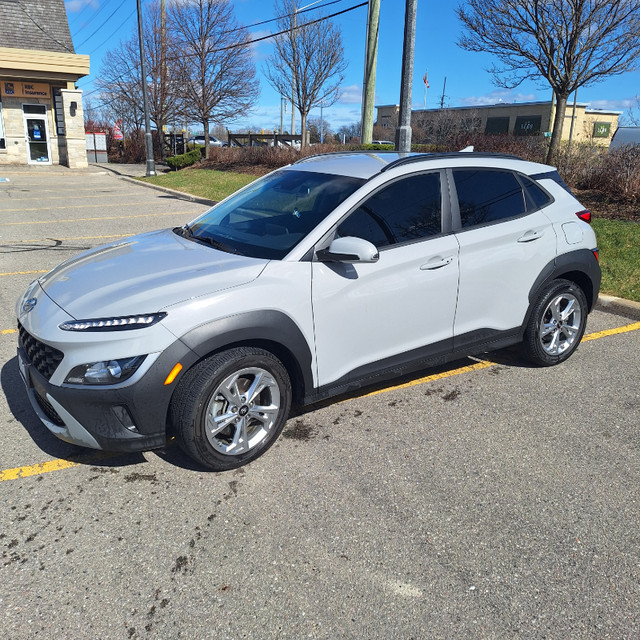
[{"x": 270, "y": 217}]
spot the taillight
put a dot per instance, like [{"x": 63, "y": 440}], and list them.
[
  {"x": 596, "y": 253},
  {"x": 585, "y": 215}
]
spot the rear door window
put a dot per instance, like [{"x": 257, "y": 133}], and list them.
[{"x": 485, "y": 196}]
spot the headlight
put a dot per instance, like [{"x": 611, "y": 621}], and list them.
[
  {"x": 122, "y": 323},
  {"x": 105, "y": 371}
]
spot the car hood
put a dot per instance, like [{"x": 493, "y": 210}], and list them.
[{"x": 144, "y": 274}]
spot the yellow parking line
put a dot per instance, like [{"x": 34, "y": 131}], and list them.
[
  {"x": 57, "y": 465},
  {"x": 5, "y": 332},
  {"x": 118, "y": 235},
  {"x": 432, "y": 378},
  {"x": 21, "y": 273},
  {"x": 612, "y": 332},
  {"x": 140, "y": 215},
  {"x": 76, "y": 206},
  {"x": 71, "y": 195}
]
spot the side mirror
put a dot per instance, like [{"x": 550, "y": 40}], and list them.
[{"x": 349, "y": 250}]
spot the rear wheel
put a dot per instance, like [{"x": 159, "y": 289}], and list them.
[
  {"x": 230, "y": 408},
  {"x": 557, "y": 323}
]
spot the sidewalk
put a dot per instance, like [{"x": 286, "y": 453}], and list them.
[{"x": 129, "y": 170}]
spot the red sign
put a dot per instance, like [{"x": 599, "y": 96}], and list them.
[{"x": 117, "y": 131}]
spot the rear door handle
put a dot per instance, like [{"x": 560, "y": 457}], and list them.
[
  {"x": 530, "y": 236},
  {"x": 438, "y": 264}
]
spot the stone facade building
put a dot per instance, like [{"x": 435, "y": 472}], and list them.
[
  {"x": 518, "y": 118},
  {"x": 41, "y": 118}
]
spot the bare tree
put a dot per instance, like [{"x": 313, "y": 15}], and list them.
[
  {"x": 308, "y": 57},
  {"x": 119, "y": 80},
  {"x": 218, "y": 77},
  {"x": 632, "y": 116},
  {"x": 568, "y": 43}
]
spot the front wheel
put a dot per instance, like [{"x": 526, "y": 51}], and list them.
[
  {"x": 557, "y": 323},
  {"x": 230, "y": 408}
]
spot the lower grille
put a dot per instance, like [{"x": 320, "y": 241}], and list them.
[
  {"x": 48, "y": 410},
  {"x": 43, "y": 357}
]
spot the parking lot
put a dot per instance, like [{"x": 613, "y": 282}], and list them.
[{"x": 487, "y": 499}]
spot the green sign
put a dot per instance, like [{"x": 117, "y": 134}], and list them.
[{"x": 601, "y": 129}]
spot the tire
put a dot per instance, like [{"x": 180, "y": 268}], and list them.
[
  {"x": 556, "y": 324},
  {"x": 215, "y": 412}
]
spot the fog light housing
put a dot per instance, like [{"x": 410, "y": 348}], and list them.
[{"x": 104, "y": 371}]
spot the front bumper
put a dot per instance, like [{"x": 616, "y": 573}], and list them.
[{"x": 127, "y": 418}]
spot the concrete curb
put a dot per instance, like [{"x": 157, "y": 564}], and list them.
[
  {"x": 619, "y": 306},
  {"x": 178, "y": 194}
]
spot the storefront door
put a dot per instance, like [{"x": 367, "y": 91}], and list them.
[{"x": 36, "y": 133}]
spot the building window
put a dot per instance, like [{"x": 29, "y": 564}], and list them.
[
  {"x": 3, "y": 143},
  {"x": 497, "y": 126}
]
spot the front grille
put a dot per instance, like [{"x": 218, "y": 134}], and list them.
[
  {"x": 43, "y": 357},
  {"x": 48, "y": 410}
]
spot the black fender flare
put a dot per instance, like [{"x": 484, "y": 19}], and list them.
[{"x": 260, "y": 328}]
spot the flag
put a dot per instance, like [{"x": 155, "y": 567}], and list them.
[{"x": 424, "y": 79}]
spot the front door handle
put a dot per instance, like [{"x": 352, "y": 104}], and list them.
[
  {"x": 436, "y": 264},
  {"x": 530, "y": 236}
]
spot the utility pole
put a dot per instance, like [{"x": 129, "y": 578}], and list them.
[
  {"x": 403, "y": 132},
  {"x": 444, "y": 86},
  {"x": 370, "y": 63},
  {"x": 151, "y": 166}
]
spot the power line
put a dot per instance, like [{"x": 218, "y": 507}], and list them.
[
  {"x": 112, "y": 34},
  {"x": 103, "y": 23}
]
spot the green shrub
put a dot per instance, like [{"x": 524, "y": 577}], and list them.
[
  {"x": 377, "y": 147},
  {"x": 184, "y": 160}
]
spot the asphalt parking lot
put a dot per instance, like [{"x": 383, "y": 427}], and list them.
[{"x": 488, "y": 499}]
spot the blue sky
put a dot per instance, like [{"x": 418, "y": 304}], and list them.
[{"x": 98, "y": 25}]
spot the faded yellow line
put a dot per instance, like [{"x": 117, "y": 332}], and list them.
[
  {"x": 77, "y": 206},
  {"x": 140, "y": 215},
  {"x": 8, "y": 331},
  {"x": 117, "y": 194},
  {"x": 118, "y": 235},
  {"x": 612, "y": 332},
  {"x": 36, "y": 469},
  {"x": 21, "y": 273},
  {"x": 57, "y": 465}
]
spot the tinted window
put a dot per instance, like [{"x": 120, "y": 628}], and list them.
[
  {"x": 486, "y": 196},
  {"x": 536, "y": 197},
  {"x": 408, "y": 209},
  {"x": 273, "y": 214}
]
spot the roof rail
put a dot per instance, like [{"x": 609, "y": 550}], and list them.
[
  {"x": 418, "y": 157},
  {"x": 366, "y": 152}
]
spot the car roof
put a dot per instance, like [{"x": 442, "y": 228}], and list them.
[{"x": 366, "y": 164}]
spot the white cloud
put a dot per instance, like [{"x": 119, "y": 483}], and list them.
[
  {"x": 351, "y": 94},
  {"x": 495, "y": 97},
  {"x": 74, "y": 6},
  {"x": 613, "y": 105}
]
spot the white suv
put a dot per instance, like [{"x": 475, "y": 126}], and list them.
[{"x": 335, "y": 272}]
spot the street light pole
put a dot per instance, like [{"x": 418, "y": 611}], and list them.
[
  {"x": 151, "y": 167},
  {"x": 403, "y": 132}
]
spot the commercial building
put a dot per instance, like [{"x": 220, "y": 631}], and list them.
[
  {"x": 41, "y": 118},
  {"x": 523, "y": 118}
]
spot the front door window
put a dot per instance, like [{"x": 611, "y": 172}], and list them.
[{"x": 37, "y": 134}]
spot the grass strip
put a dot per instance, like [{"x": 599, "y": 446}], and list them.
[{"x": 214, "y": 185}]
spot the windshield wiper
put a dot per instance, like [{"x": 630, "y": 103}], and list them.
[
  {"x": 216, "y": 244},
  {"x": 184, "y": 231}
]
